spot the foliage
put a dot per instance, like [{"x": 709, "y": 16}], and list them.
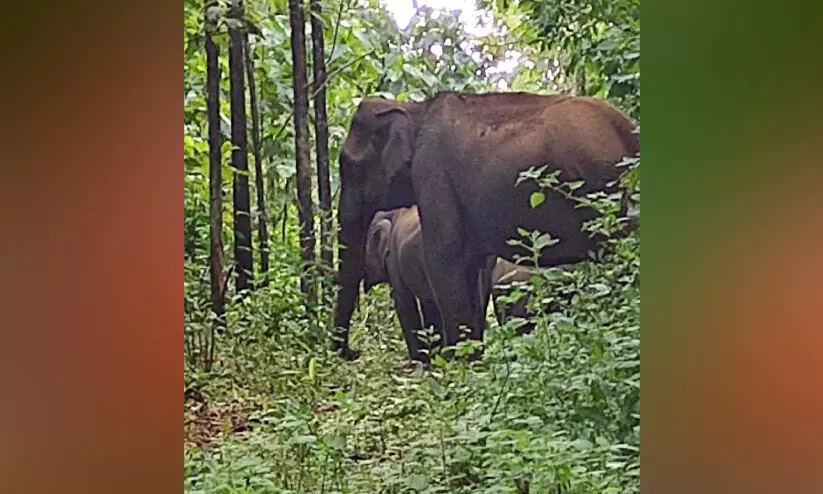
[
  {"x": 553, "y": 411},
  {"x": 599, "y": 39},
  {"x": 558, "y": 409}
]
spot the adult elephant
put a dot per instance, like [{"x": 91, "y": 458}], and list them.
[{"x": 458, "y": 156}]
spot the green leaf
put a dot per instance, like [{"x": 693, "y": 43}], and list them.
[
  {"x": 413, "y": 71},
  {"x": 430, "y": 79},
  {"x": 234, "y": 23},
  {"x": 313, "y": 370},
  {"x": 536, "y": 199},
  {"x": 213, "y": 13},
  {"x": 307, "y": 439},
  {"x": 418, "y": 482},
  {"x": 362, "y": 36},
  {"x": 338, "y": 442},
  {"x": 544, "y": 240}
]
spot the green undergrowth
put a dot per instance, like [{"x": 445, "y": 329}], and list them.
[{"x": 553, "y": 411}]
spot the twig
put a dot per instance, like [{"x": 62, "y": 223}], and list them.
[
  {"x": 226, "y": 281},
  {"x": 380, "y": 81},
  {"x": 317, "y": 90},
  {"x": 200, "y": 347},
  {"x": 204, "y": 275},
  {"x": 285, "y": 208},
  {"x": 343, "y": 3},
  {"x": 502, "y": 388},
  {"x": 187, "y": 342},
  {"x": 443, "y": 453}
]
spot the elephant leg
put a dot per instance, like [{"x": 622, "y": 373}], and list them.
[
  {"x": 431, "y": 319},
  {"x": 452, "y": 275},
  {"x": 454, "y": 282},
  {"x": 347, "y": 299},
  {"x": 406, "y": 306},
  {"x": 484, "y": 283},
  {"x": 431, "y": 314}
]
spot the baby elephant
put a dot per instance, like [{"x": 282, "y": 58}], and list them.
[{"x": 394, "y": 255}]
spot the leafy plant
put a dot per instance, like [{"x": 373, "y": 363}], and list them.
[{"x": 553, "y": 411}]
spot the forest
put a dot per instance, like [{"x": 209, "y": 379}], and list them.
[{"x": 271, "y": 404}]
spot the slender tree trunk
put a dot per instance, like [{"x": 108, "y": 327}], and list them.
[
  {"x": 215, "y": 183},
  {"x": 321, "y": 132},
  {"x": 262, "y": 218},
  {"x": 242, "y": 215},
  {"x": 580, "y": 80},
  {"x": 301, "y": 144}
]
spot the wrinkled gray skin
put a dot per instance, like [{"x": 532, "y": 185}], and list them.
[
  {"x": 394, "y": 255},
  {"x": 457, "y": 157}
]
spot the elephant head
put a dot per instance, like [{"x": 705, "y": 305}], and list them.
[
  {"x": 377, "y": 250},
  {"x": 375, "y": 163}
]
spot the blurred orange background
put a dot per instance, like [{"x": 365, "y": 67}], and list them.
[{"x": 91, "y": 251}]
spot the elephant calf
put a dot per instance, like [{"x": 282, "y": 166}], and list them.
[{"x": 394, "y": 255}]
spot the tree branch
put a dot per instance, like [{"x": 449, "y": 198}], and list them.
[
  {"x": 329, "y": 77},
  {"x": 502, "y": 387},
  {"x": 343, "y": 3}
]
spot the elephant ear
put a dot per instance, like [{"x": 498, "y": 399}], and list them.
[
  {"x": 397, "y": 152},
  {"x": 383, "y": 246},
  {"x": 377, "y": 252}
]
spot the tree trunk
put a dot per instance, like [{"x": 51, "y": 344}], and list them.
[
  {"x": 242, "y": 215},
  {"x": 262, "y": 218},
  {"x": 321, "y": 131},
  {"x": 215, "y": 183},
  {"x": 580, "y": 80},
  {"x": 301, "y": 144}
]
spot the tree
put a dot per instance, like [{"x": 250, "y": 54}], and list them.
[
  {"x": 301, "y": 145},
  {"x": 242, "y": 215},
  {"x": 580, "y": 82},
  {"x": 262, "y": 219},
  {"x": 279, "y": 347},
  {"x": 321, "y": 132},
  {"x": 215, "y": 181},
  {"x": 597, "y": 43}
]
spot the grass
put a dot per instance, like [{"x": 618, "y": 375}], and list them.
[{"x": 554, "y": 411}]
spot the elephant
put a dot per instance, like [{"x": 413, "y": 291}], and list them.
[
  {"x": 458, "y": 156},
  {"x": 503, "y": 275},
  {"x": 394, "y": 255}
]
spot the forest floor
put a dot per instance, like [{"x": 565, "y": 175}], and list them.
[{"x": 557, "y": 410}]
